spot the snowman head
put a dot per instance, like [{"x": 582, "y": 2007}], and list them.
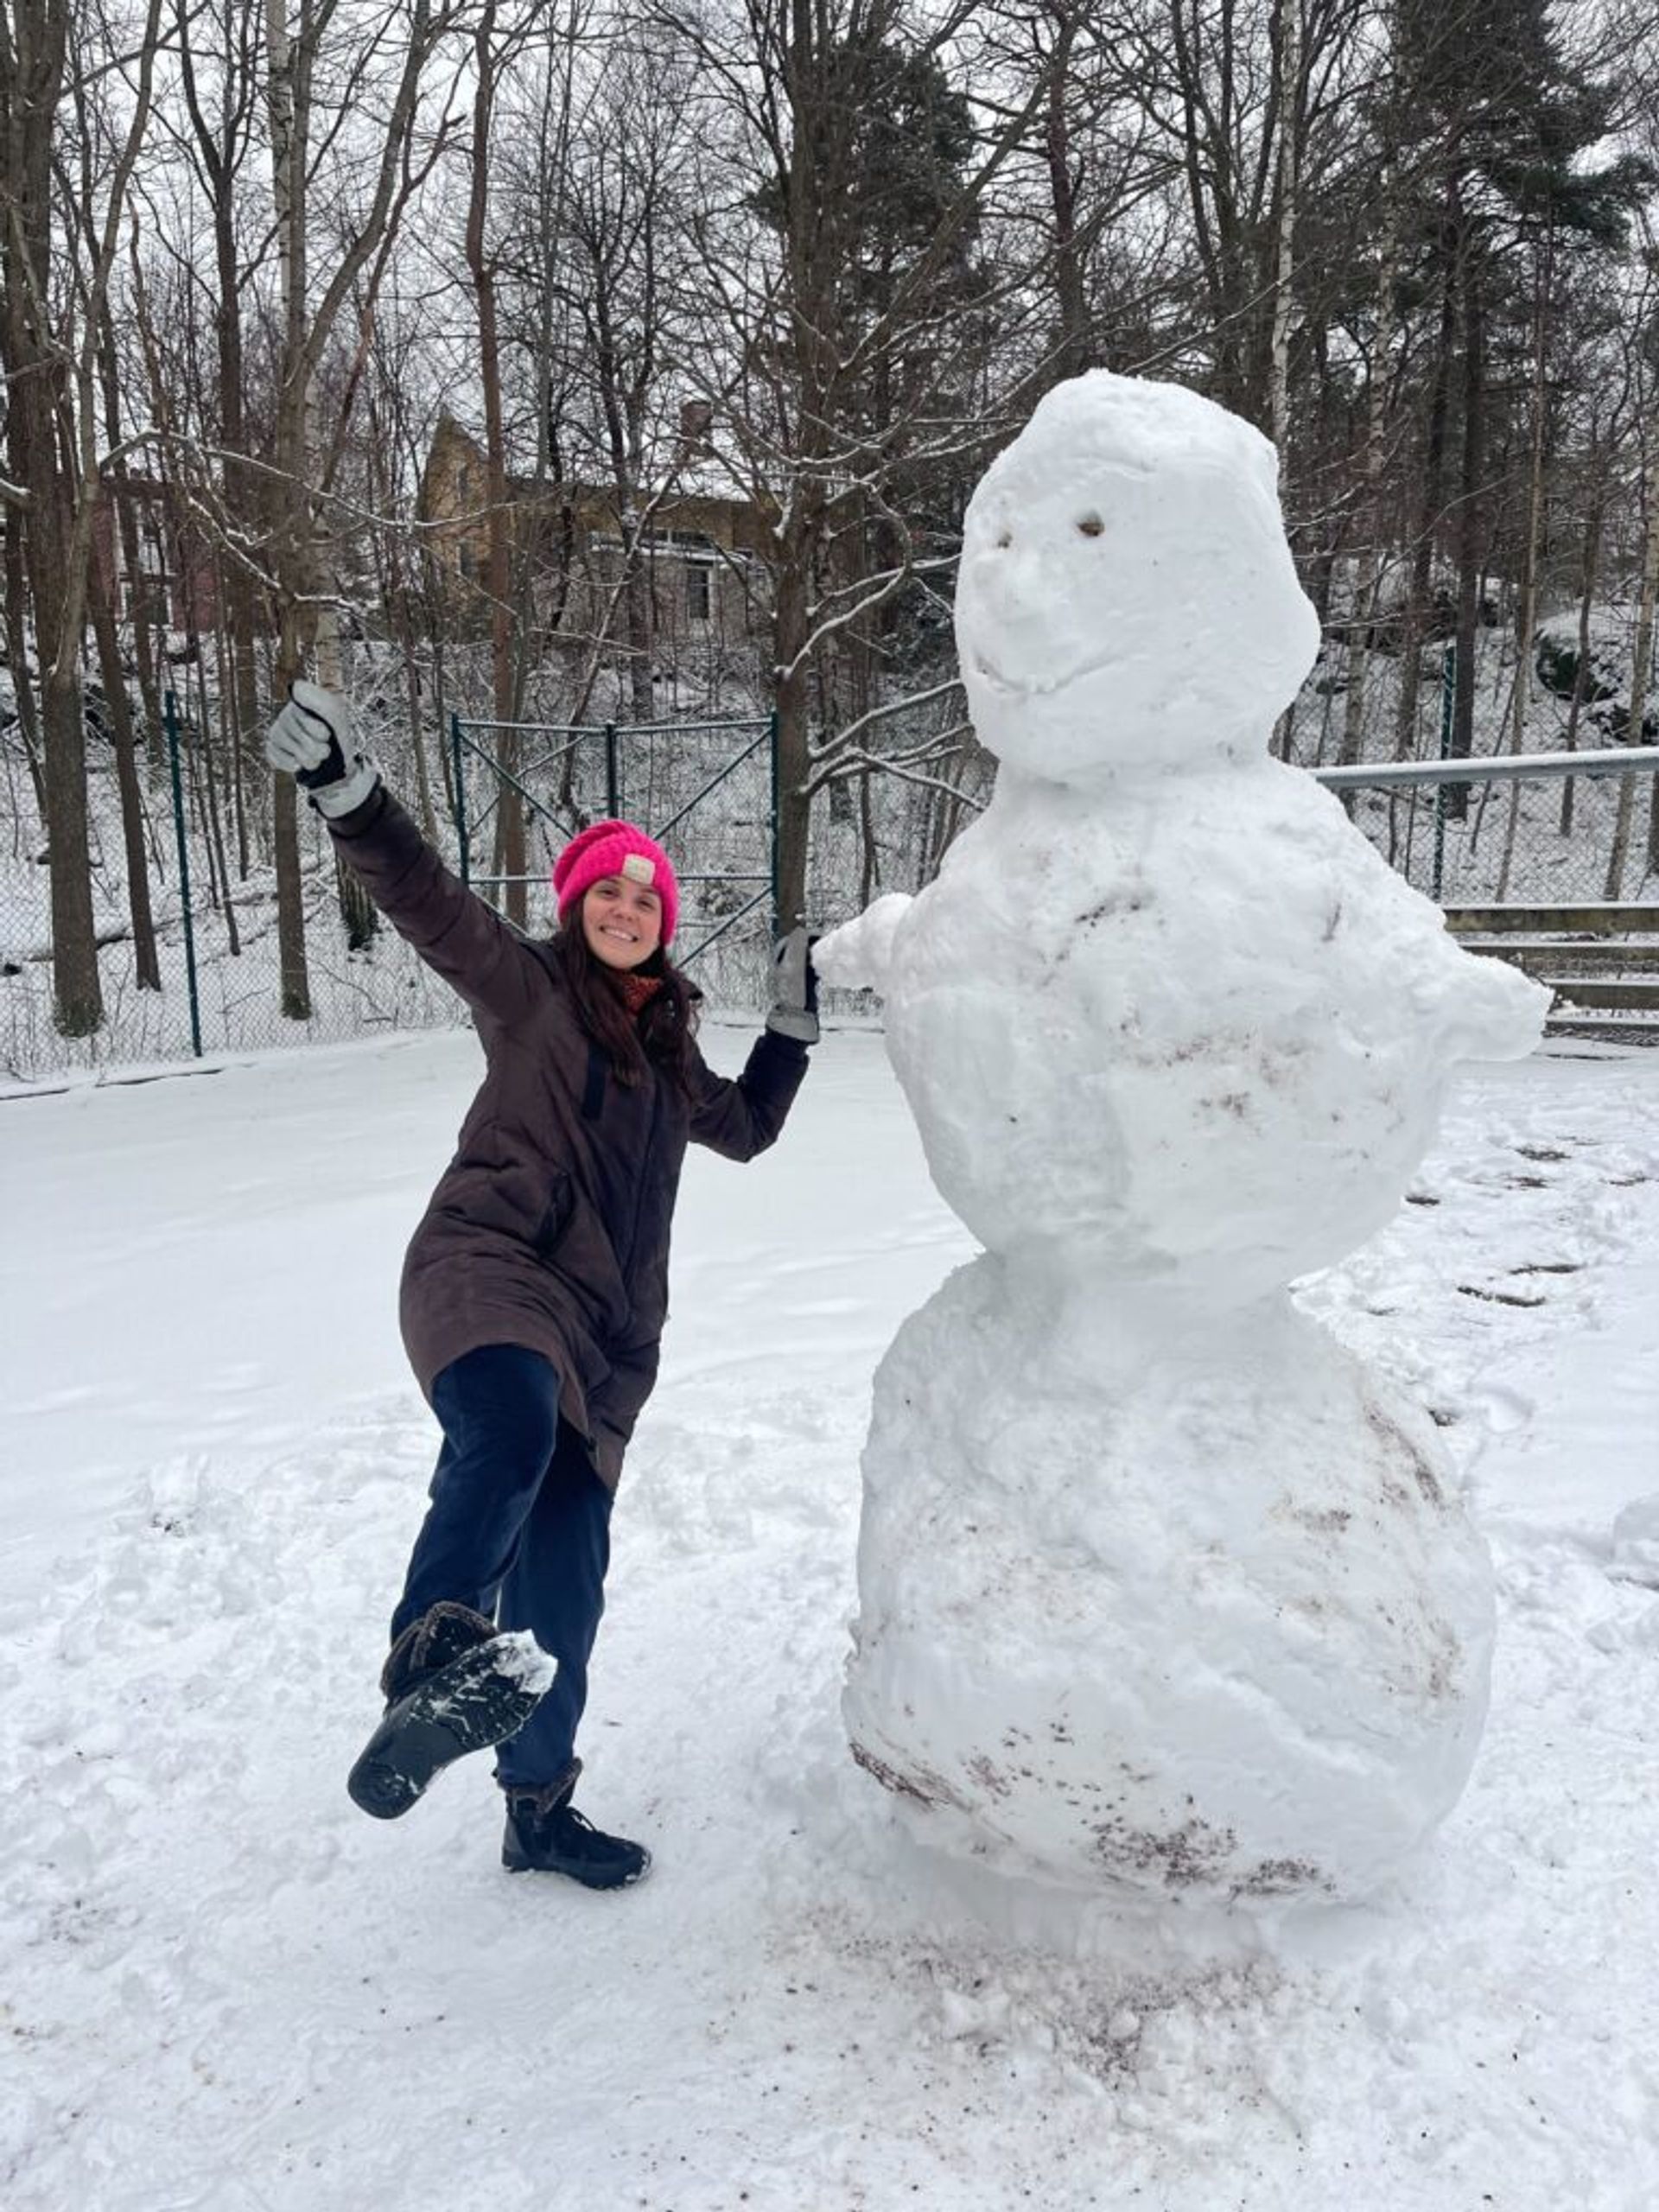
[{"x": 1127, "y": 597}]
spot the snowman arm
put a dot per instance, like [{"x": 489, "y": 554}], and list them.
[{"x": 859, "y": 955}]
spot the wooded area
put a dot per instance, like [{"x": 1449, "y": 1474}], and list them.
[{"x": 809, "y": 263}]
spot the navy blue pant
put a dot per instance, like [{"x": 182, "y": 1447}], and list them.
[{"x": 519, "y": 1527}]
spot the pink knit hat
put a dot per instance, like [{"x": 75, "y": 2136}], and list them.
[{"x": 616, "y": 848}]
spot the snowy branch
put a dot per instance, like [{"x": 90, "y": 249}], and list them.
[
  {"x": 860, "y": 762},
  {"x": 833, "y": 747},
  {"x": 867, "y": 605}
]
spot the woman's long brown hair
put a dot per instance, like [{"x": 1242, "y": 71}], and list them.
[{"x": 660, "y": 1037}]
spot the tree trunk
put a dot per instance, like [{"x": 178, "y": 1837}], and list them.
[
  {"x": 204, "y": 785},
  {"x": 1428, "y": 516},
  {"x": 1590, "y": 574},
  {"x": 291, "y": 521},
  {"x": 1641, "y": 680},
  {"x": 1527, "y": 611},
  {"x": 18, "y": 658},
  {"x": 618, "y": 399},
  {"x": 1527, "y": 616},
  {"x": 1072, "y": 353},
  {"x": 123, "y": 737},
  {"x": 75, "y": 945},
  {"x": 39, "y": 402},
  {"x": 642, "y": 692},
  {"x": 1642, "y": 666},
  {"x": 1469, "y": 512},
  {"x": 227, "y": 755},
  {"x": 124, "y": 536},
  {"x": 143, "y": 644},
  {"x": 221, "y": 140},
  {"x": 790, "y": 629},
  {"x": 1290, "y": 108},
  {"x": 869, "y": 872},
  {"x": 510, "y": 833},
  {"x": 1368, "y": 581},
  {"x": 243, "y": 502},
  {"x": 77, "y": 994}
]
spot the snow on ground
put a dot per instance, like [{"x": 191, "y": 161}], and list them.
[{"x": 222, "y": 1990}]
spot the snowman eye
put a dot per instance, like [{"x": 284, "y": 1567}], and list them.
[
  {"x": 1004, "y": 541},
  {"x": 1091, "y": 525}
]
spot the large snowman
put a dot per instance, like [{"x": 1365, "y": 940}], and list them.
[{"x": 1158, "y": 1586}]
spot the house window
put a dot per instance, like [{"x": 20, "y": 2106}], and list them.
[{"x": 697, "y": 593}]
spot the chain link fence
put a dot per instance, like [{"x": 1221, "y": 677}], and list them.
[
  {"x": 1557, "y": 830},
  {"x": 208, "y": 888},
  {"x": 708, "y": 789},
  {"x": 1547, "y": 830},
  {"x": 208, "y": 884}
]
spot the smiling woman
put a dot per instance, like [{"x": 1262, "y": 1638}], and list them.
[
  {"x": 536, "y": 1286},
  {"x": 623, "y": 884}
]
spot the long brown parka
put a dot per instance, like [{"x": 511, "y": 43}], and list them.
[{"x": 550, "y": 1227}]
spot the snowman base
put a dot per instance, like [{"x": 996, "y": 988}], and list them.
[{"x": 1160, "y": 1597}]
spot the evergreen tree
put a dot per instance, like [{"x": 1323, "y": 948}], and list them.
[{"x": 1497, "y": 124}]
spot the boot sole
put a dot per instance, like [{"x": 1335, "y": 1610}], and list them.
[{"x": 478, "y": 1699}]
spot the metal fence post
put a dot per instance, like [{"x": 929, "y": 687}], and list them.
[
  {"x": 1448, "y": 696},
  {"x": 172, "y": 719},
  {"x": 772, "y": 819},
  {"x": 458, "y": 750},
  {"x": 612, "y": 781}
]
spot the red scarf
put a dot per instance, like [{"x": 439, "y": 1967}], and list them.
[{"x": 638, "y": 991}]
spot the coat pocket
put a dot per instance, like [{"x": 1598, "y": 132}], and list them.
[
  {"x": 556, "y": 1218},
  {"x": 514, "y": 1201}
]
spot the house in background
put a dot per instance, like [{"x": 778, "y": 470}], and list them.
[
  {"x": 704, "y": 591},
  {"x": 177, "y": 584}
]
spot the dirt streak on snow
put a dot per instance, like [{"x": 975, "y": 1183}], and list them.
[{"x": 222, "y": 1988}]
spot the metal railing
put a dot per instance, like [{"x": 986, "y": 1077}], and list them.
[{"x": 1539, "y": 828}]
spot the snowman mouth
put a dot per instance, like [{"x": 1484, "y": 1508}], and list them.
[{"x": 1036, "y": 686}]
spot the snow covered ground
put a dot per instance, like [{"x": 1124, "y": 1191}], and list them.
[{"x": 222, "y": 1990}]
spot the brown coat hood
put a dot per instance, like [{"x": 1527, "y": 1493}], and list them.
[{"x": 550, "y": 1227}]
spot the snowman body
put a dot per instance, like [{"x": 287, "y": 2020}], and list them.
[
  {"x": 1159, "y": 1598},
  {"x": 1157, "y": 1586},
  {"x": 1187, "y": 1024}
]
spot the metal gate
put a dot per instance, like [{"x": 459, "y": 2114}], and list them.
[{"x": 708, "y": 787}]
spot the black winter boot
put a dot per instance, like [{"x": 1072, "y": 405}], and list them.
[
  {"x": 452, "y": 1684},
  {"x": 546, "y": 1834}
]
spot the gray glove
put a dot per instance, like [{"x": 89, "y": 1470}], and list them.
[
  {"x": 794, "y": 989},
  {"x": 314, "y": 741}
]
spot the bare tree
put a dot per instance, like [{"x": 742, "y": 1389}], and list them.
[
  {"x": 223, "y": 114},
  {"x": 50, "y": 324},
  {"x": 403, "y": 43},
  {"x": 1646, "y": 599},
  {"x": 844, "y": 325}
]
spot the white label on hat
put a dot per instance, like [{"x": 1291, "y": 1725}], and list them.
[{"x": 639, "y": 869}]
